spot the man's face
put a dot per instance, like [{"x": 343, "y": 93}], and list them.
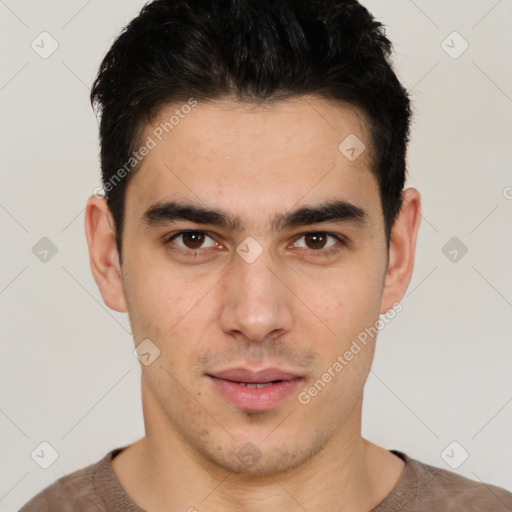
[{"x": 266, "y": 295}]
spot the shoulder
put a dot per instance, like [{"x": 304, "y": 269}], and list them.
[
  {"x": 443, "y": 490},
  {"x": 75, "y": 491}
]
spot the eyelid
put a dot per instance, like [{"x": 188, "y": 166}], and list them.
[
  {"x": 184, "y": 232},
  {"x": 339, "y": 237}
]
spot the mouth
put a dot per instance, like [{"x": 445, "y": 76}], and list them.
[
  {"x": 257, "y": 385},
  {"x": 255, "y": 390}
]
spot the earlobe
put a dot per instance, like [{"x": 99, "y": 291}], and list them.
[
  {"x": 402, "y": 249},
  {"x": 103, "y": 255}
]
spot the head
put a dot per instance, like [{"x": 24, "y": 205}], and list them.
[
  {"x": 256, "y": 52},
  {"x": 253, "y": 123}
]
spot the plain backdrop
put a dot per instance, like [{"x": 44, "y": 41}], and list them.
[{"x": 442, "y": 368}]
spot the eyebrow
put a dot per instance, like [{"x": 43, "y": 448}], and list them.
[{"x": 337, "y": 211}]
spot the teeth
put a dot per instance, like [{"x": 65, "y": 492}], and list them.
[{"x": 256, "y": 384}]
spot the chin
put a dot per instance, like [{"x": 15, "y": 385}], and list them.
[{"x": 261, "y": 460}]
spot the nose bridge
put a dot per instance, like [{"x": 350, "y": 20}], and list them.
[{"x": 257, "y": 301}]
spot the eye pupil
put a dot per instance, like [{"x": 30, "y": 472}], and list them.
[
  {"x": 193, "y": 239},
  {"x": 318, "y": 240}
]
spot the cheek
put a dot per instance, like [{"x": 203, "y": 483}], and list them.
[
  {"x": 346, "y": 354},
  {"x": 172, "y": 311},
  {"x": 347, "y": 302},
  {"x": 155, "y": 300}
]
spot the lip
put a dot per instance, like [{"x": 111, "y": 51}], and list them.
[
  {"x": 247, "y": 375},
  {"x": 229, "y": 384}
]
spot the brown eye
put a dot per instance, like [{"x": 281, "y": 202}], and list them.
[
  {"x": 315, "y": 240},
  {"x": 193, "y": 239}
]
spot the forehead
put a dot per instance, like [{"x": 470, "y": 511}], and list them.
[{"x": 255, "y": 158}]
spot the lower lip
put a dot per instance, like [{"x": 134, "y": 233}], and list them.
[{"x": 256, "y": 399}]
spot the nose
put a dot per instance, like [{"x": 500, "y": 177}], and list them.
[{"x": 258, "y": 303}]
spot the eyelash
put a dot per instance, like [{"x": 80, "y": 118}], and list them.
[{"x": 315, "y": 253}]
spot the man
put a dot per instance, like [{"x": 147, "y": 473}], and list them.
[{"x": 254, "y": 227}]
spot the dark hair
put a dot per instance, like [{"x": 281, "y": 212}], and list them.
[{"x": 255, "y": 51}]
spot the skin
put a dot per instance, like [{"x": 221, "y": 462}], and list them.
[{"x": 292, "y": 308}]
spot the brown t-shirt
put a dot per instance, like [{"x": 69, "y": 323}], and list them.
[{"x": 421, "y": 488}]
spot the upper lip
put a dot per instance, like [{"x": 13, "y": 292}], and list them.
[{"x": 247, "y": 375}]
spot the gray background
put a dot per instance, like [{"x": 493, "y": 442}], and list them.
[{"x": 442, "y": 367}]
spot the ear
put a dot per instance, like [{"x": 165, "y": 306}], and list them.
[
  {"x": 103, "y": 255},
  {"x": 402, "y": 249}
]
